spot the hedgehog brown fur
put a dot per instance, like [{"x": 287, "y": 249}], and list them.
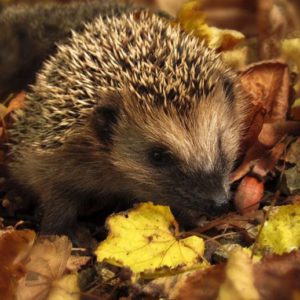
[{"x": 132, "y": 108}]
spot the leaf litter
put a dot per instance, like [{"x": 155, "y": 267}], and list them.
[{"x": 252, "y": 254}]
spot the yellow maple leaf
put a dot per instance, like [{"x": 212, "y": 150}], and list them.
[
  {"x": 145, "y": 239},
  {"x": 192, "y": 19},
  {"x": 281, "y": 233}
]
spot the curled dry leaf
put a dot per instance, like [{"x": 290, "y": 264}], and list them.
[
  {"x": 267, "y": 85},
  {"x": 265, "y": 152},
  {"x": 15, "y": 246}
]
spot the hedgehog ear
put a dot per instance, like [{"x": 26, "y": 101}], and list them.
[{"x": 105, "y": 116}]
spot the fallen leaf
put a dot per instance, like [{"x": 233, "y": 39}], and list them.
[
  {"x": 146, "y": 239},
  {"x": 192, "y": 19},
  {"x": 267, "y": 83},
  {"x": 47, "y": 264},
  {"x": 235, "y": 280},
  {"x": 66, "y": 288},
  {"x": 293, "y": 199},
  {"x": 223, "y": 39},
  {"x": 267, "y": 86},
  {"x": 194, "y": 285},
  {"x": 277, "y": 276},
  {"x": 281, "y": 232},
  {"x": 236, "y": 58},
  {"x": 239, "y": 278},
  {"x": 268, "y": 160},
  {"x": 268, "y": 148},
  {"x": 271, "y": 277},
  {"x": 15, "y": 246},
  {"x": 74, "y": 263}
]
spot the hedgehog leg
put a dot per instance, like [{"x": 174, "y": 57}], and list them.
[{"x": 59, "y": 214}]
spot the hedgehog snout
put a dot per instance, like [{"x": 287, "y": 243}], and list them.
[
  {"x": 216, "y": 209},
  {"x": 218, "y": 204}
]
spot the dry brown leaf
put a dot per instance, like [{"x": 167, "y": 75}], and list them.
[
  {"x": 267, "y": 84},
  {"x": 293, "y": 199},
  {"x": 47, "y": 263},
  {"x": 277, "y": 276},
  {"x": 74, "y": 263},
  {"x": 14, "y": 248},
  {"x": 196, "y": 285},
  {"x": 265, "y": 152},
  {"x": 273, "y": 277},
  {"x": 269, "y": 160}
]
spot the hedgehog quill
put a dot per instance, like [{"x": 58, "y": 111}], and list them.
[{"x": 130, "y": 108}]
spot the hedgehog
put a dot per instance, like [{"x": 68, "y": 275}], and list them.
[{"x": 131, "y": 109}]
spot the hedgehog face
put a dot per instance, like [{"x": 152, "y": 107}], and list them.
[{"x": 181, "y": 158}]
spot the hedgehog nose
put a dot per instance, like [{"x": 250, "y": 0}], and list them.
[{"x": 219, "y": 205}]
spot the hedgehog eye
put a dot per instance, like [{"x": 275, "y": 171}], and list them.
[{"x": 159, "y": 157}]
